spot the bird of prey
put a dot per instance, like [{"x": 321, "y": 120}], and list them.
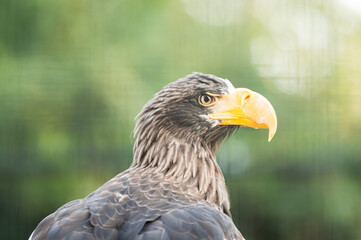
[{"x": 174, "y": 188}]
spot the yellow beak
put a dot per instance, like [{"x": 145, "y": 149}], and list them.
[{"x": 246, "y": 108}]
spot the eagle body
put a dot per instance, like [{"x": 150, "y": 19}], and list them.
[
  {"x": 139, "y": 204},
  {"x": 174, "y": 188}
]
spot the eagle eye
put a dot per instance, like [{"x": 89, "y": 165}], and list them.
[{"x": 206, "y": 100}]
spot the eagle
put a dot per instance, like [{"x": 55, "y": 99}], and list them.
[{"x": 174, "y": 188}]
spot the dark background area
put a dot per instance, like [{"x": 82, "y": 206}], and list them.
[{"x": 74, "y": 75}]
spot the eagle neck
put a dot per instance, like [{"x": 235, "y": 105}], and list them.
[{"x": 191, "y": 163}]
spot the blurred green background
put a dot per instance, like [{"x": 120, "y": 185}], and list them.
[{"x": 74, "y": 74}]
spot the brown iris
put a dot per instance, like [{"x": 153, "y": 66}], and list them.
[{"x": 206, "y": 100}]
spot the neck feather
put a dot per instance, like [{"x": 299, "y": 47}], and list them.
[{"x": 193, "y": 164}]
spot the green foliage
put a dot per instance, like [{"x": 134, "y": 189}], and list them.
[{"x": 74, "y": 75}]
